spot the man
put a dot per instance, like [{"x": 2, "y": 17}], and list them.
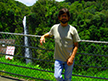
[{"x": 66, "y": 45}]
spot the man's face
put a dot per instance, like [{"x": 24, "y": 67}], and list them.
[{"x": 64, "y": 18}]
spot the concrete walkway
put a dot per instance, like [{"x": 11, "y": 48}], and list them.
[{"x": 5, "y": 78}]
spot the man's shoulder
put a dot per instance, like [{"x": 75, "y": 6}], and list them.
[
  {"x": 72, "y": 27},
  {"x": 56, "y": 25}
]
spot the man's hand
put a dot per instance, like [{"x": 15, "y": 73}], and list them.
[
  {"x": 71, "y": 58},
  {"x": 70, "y": 61},
  {"x": 42, "y": 39}
]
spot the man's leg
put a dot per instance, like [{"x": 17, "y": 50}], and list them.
[
  {"x": 58, "y": 70},
  {"x": 68, "y": 72}
]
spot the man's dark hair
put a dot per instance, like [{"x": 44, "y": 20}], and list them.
[{"x": 62, "y": 11}]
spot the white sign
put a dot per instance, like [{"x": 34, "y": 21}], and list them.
[{"x": 10, "y": 51}]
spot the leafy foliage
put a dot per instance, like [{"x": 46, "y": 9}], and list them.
[
  {"x": 89, "y": 17},
  {"x": 11, "y": 15}
]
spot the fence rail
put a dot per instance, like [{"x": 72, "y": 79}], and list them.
[{"x": 90, "y": 62}]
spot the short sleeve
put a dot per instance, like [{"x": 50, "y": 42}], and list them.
[
  {"x": 51, "y": 31},
  {"x": 76, "y": 37}
]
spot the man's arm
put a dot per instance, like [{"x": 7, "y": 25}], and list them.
[
  {"x": 42, "y": 39},
  {"x": 71, "y": 59}
]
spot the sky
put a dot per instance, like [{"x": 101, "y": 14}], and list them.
[{"x": 31, "y": 2}]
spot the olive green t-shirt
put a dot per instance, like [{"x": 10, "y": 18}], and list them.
[{"x": 64, "y": 37}]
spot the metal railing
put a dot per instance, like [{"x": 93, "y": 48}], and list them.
[{"x": 91, "y": 61}]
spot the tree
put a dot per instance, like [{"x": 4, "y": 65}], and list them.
[{"x": 77, "y": 0}]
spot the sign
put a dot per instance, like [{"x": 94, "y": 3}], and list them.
[
  {"x": 10, "y": 51},
  {"x": 3, "y": 44}
]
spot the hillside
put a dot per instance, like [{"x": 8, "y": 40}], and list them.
[
  {"x": 11, "y": 15},
  {"x": 89, "y": 17}
]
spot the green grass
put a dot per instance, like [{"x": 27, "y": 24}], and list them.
[
  {"x": 39, "y": 74},
  {"x": 24, "y": 71}
]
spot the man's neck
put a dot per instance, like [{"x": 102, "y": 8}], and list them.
[{"x": 64, "y": 25}]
